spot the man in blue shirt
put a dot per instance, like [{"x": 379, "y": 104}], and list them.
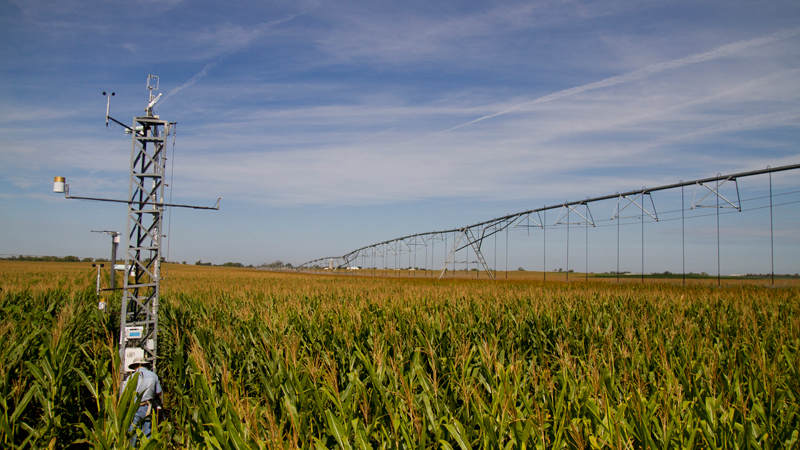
[{"x": 150, "y": 388}]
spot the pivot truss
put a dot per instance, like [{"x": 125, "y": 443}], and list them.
[{"x": 467, "y": 242}]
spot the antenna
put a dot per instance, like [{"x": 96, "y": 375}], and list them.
[
  {"x": 138, "y": 329},
  {"x": 152, "y": 85},
  {"x": 108, "y": 105}
]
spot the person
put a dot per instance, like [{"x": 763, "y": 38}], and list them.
[{"x": 149, "y": 386}]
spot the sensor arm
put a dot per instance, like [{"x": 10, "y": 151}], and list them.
[
  {"x": 153, "y": 103},
  {"x": 108, "y": 105},
  {"x": 118, "y": 123},
  {"x": 129, "y": 202}
]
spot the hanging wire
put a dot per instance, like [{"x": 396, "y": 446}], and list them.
[{"x": 171, "y": 176}]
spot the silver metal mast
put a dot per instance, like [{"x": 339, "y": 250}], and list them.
[{"x": 139, "y": 310}]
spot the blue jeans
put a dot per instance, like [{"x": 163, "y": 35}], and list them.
[{"x": 141, "y": 419}]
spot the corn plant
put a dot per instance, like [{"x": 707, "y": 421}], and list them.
[{"x": 255, "y": 360}]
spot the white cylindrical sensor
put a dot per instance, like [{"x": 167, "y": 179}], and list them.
[{"x": 58, "y": 185}]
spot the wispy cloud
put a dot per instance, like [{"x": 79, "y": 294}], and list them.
[
  {"x": 234, "y": 41},
  {"x": 192, "y": 80},
  {"x": 227, "y": 39},
  {"x": 337, "y": 154},
  {"x": 639, "y": 74},
  {"x": 407, "y": 35},
  {"x": 399, "y": 105}
]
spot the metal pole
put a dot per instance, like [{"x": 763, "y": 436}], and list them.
[
  {"x": 618, "y": 241},
  {"x": 567, "y": 269},
  {"x": 506, "y": 253},
  {"x": 544, "y": 247},
  {"x": 466, "y": 268},
  {"x": 642, "y": 239},
  {"x": 445, "y": 255},
  {"x": 719, "y": 280},
  {"x": 587, "y": 243},
  {"x": 478, "y": 258},
  {"x": 97, "y": 289},
  {"x": 771, "y": 235},
  {"x": 112, "y": 275},
  {"x": 683, "y": 237},
  {"x": 454, "y": 256}
]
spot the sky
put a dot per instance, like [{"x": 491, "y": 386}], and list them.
[{"x": 328, "y": 126}]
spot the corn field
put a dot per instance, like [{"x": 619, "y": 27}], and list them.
[{"x": 259, "y": 360}]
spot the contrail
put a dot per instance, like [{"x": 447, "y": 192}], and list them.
[
  {"x": 719, "y": 52},
  {"x": 258, "y": 30},
  {"x": 192, "y": 80}
]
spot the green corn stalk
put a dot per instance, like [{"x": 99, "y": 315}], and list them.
[{"x": 110, "y": 429}]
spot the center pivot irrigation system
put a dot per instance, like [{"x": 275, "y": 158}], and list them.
[
  {"x": 639, "y": 204},
  {"x": 138, "y": 324}
]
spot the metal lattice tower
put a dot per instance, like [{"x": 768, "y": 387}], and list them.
[
  {"x": 138, "y": 330},
  {"x": 139, "y": 309}
]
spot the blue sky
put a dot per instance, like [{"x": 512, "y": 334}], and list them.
[{"x": 327, "y": 126}]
